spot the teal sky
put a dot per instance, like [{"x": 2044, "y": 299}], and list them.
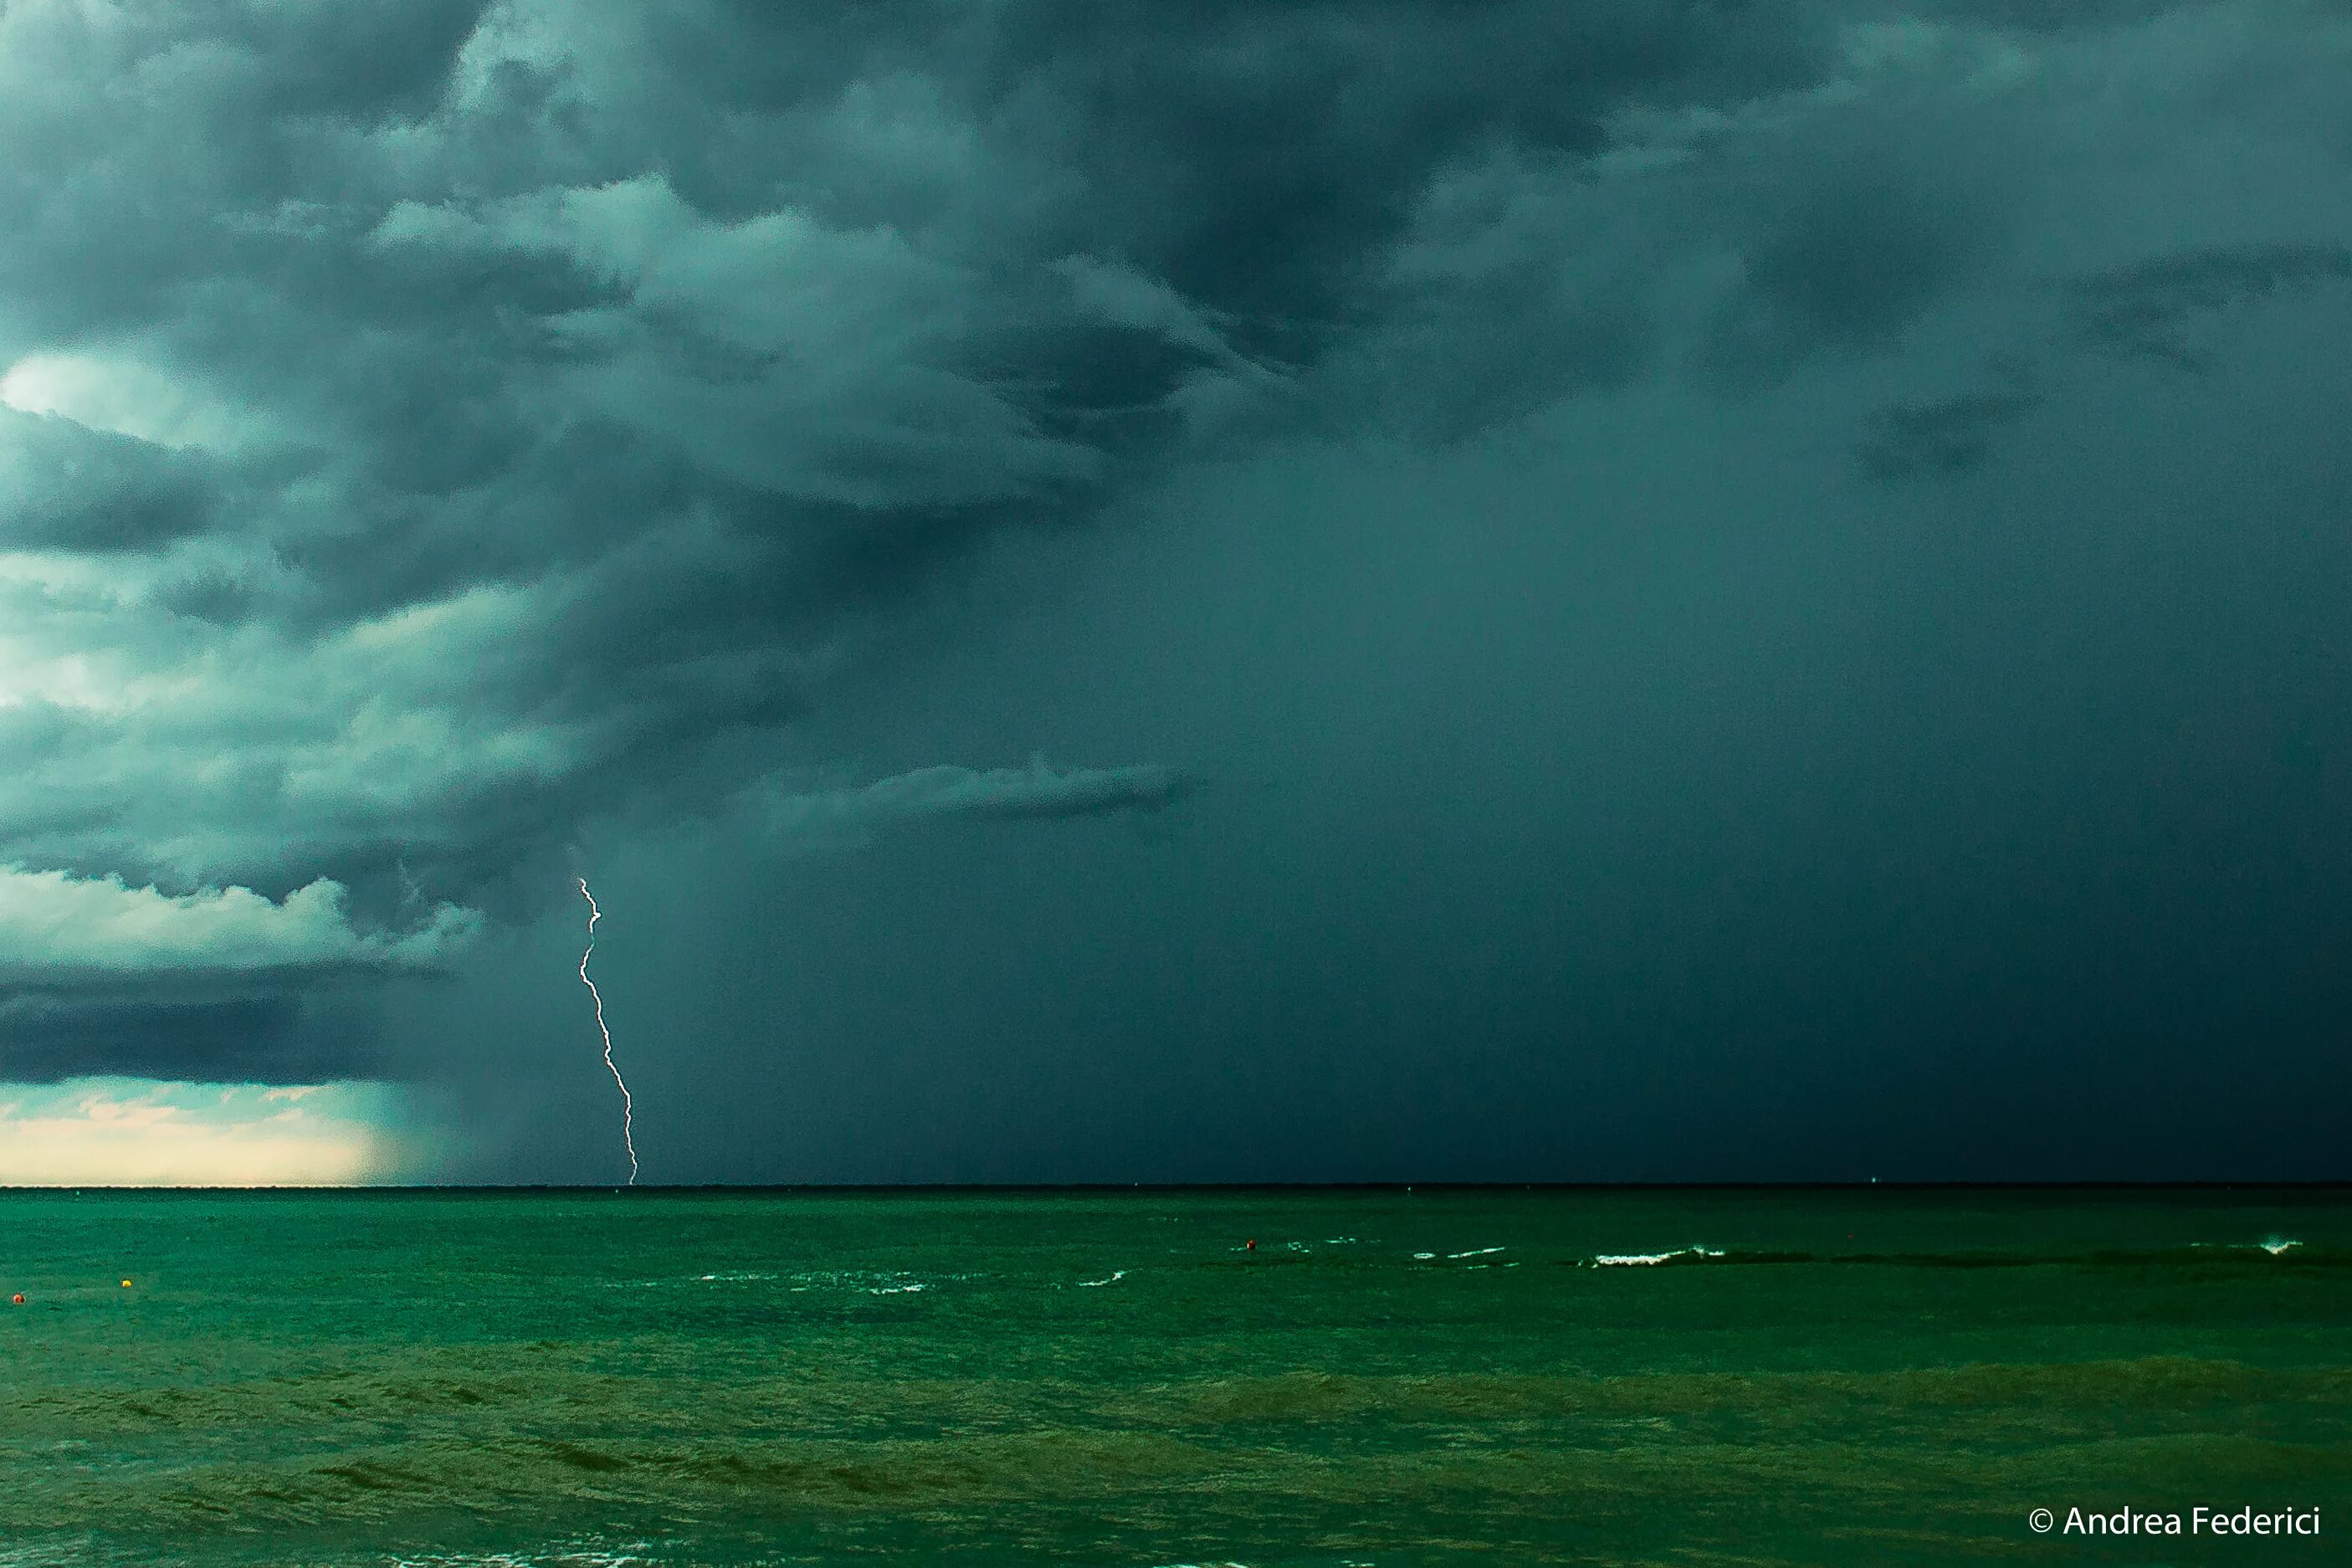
[{"x": 1507, "y": 591}]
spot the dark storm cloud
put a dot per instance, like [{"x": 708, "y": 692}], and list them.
[
  {"x": 1945, "y": 436},
  {"x": 2172, "y": 307},
  {"x": 266, "y": 1039},
  {"x": 1860, "y": 250},
  {"x": 2045, "y": 15},
  {"x": 64, "y": 486},
  {"x": 432, "y": 428},
  {"x": 477, "y": 415},
  {"x": 1038, "y": 793},
  {"x": 2151, "y": 308}
]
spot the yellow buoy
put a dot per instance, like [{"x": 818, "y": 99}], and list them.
[{"x": 126, "y": 1284}]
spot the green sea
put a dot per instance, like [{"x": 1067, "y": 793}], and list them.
[{"x": 561, "y": 1379}]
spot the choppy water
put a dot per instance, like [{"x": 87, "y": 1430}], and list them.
[{"x": 568, "y": 1380}]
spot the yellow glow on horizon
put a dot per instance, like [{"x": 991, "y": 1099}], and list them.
[{"x": 146, "y": 1133}]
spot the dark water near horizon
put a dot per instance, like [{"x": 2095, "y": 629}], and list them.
[{"x": 569, "y": 1379}]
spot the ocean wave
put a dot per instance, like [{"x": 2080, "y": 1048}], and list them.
[
  {"x": 2158, "y": 1383},
  {"x": 1648, "y": 1259},
  {"x": 873, "y": 1281},
  {"x": 46, "y": 1554},
  {"x": 2276, "y": 1245},
  {"x": 566, "y": 1555},
  {"x": 684, "y": 1281},
  {"x": 868, "y": 1282},
  {"x": 2207, "y": 1254},
  {"x": 1115, "y": 1276}
]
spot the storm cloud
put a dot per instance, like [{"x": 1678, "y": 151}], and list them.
[
  {"x": 2150, "y": 307},
  {"x": 1037, "y": 792},
  {"x": 55, "y": 929},
  {"x": 490, "y": 414},
  {"x": 445, "y": 440}
]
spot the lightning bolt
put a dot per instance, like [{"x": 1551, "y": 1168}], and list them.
[{"x": 628, "y": 1105}]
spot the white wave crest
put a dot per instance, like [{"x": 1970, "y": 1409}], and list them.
[{"x": 1637, "y": 1259}]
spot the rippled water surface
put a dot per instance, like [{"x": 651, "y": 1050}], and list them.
[{"x": 1388, "y": 1378}]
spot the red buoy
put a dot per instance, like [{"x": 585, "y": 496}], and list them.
[{"x": 1251, "y": 1244}]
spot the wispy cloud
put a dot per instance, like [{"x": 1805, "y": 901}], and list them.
[
  {"x": 1037, "y": 792},
  {"x": 2150, "y": 308}
]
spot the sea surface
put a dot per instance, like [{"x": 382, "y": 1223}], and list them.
[{"x": 1392, "y": 1377}]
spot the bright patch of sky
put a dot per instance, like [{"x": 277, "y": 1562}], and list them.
[{"x": 147, "y": 1132}]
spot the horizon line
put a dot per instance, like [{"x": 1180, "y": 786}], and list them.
[{"x": 2323, "y": 1184}]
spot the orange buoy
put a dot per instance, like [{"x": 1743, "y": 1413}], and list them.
[{"x": 19, "y": 1299}]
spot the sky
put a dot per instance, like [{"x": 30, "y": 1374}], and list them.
[{"x": 1576, "y": 590}]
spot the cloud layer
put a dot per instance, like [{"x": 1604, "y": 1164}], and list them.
[
  {"x": 58, "y": 931},
  {"x": 430, "y": 431},
  {"x": 1039, "y": 793}
]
